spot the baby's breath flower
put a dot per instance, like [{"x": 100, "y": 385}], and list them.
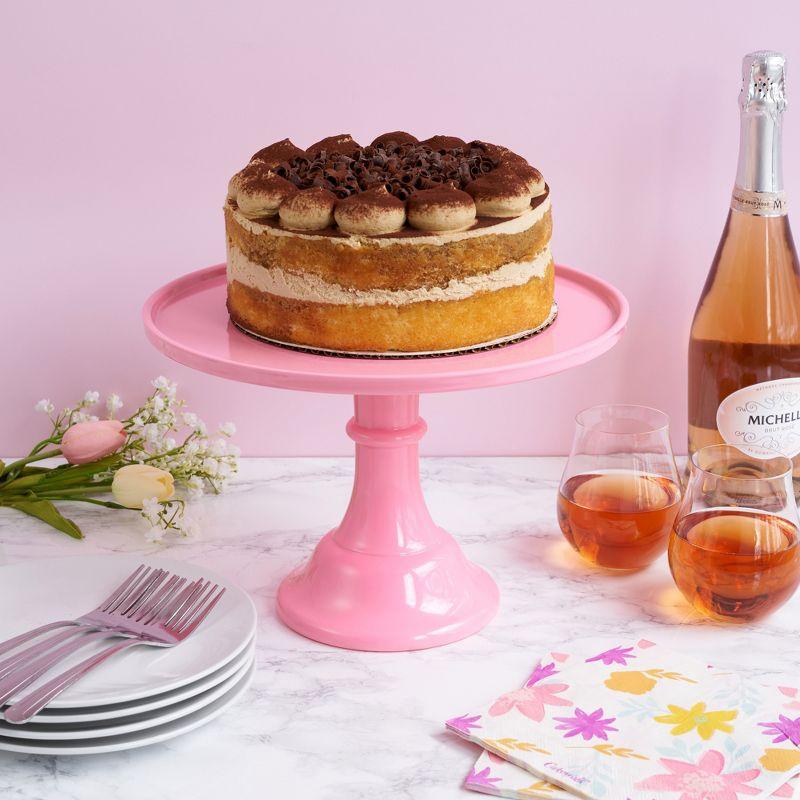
[
  {"x": 210, "y": 465},
  {"x": 113, "y": 404},
  {"x": 218, "y": 447},
  {"x": 165, "y": 386},
  {"x": 227, "y": 429},
  {"x": 195, "y": 487},
  {"x": 151, "y": 510},
  {"x": 151, "y": 433},
  {"x": 45, "y": 406},
  {"x": 91, "y": 397}
]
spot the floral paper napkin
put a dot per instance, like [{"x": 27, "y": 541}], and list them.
[{"x": 634, "y": 722}]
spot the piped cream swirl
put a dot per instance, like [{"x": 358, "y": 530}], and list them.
[{"x": 510, "y": 226}]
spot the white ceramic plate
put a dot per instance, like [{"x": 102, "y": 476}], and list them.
[
  {"x": 35, "y": 592},
  {"x": 129, "y": 741},
  {"x": 104, "y": 728},
  {"x": 83, "y": 716}
]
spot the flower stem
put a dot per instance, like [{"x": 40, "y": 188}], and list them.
[
  {"x": 56, "y": 493},
  {"x": 15, "y": 465},
  {"x": 106, "y": 503},
  {"x": 38, "y": 448}
]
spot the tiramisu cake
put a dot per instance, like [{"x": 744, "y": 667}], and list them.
[{"x": 402, "y": 246}]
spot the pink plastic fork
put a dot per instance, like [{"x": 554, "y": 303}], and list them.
[{"x": 165, "y": 619}]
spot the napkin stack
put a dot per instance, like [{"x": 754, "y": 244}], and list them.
[{"x": 635, "y": 721}]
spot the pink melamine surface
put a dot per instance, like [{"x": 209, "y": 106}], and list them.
[
  {"x": 188, "y": 322},
  {"x": 387, "y": 578}
]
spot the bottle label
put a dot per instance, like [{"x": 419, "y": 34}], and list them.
[
  {"x": 759, "y": 204},
  {"x": 763, "y": 415}
]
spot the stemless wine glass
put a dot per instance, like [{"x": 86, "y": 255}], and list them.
[
  {"x": 620, "y": 489},
  {"x": 734, "y": 553}
]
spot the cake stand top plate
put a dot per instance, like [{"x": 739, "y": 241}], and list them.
[{"x": 188, "y": 322}]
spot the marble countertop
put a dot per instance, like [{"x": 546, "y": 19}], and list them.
[{"x": 331, "y": 724}]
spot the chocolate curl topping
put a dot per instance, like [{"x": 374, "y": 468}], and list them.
[{"x": 340, "y": 166}]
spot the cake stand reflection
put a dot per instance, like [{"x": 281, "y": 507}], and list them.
[{"x": 387, "y": 578}]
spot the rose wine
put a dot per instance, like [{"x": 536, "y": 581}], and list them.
[
  {"x": 735, "y": 565},
  {"x": 618, "y": 520},
  {"x": 744, "y": 347}
]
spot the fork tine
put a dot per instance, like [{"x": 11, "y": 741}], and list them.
[
  {"x": 178, "y": 611},
  {"x": 201, "y": 614},
  {"x": 178, "y": 622},
  {"x": 196, "y": 608},
  {"x": 121, "y": 588},
  {"x": 155, "y": 610},
  {"x": 176, "y": 601},
  {"x": 152, "y": 586},
  {"x": 156, "y": 596},
  {"x": 132, "y": 591},
  {"x": 124, "y": 607}
]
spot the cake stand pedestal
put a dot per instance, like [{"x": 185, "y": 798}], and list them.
[{"x": 387, "y": 578}]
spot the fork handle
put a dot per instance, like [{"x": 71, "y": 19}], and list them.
[
  {"x": 32, "y": 704},
  {"x": 14, "y": 662},
  {"x": 28, "y": 673},
  {"x": 16, "y": 641}
]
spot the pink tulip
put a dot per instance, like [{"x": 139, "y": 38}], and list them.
[{"x": 85, "y": 442}]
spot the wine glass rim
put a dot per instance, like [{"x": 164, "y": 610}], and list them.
[
  {"x": 652, "y": 428},
  {"x": 772, "y": 455}
]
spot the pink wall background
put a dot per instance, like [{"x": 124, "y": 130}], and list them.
[{"x": 123, "y": 122}]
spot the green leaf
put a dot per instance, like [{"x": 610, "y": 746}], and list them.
[
  {"x": 35, "y": 470},
  {"x": 45, "y": 511},
  {"x": 20, "y": 485},
  {"x": 2, "y": 465},
  {"x": 73, "y": 471}
]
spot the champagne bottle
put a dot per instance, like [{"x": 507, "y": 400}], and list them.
[{"x": 744, "y": 347}]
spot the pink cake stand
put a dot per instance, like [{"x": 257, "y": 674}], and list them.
[{"x": 388, "y": 578}]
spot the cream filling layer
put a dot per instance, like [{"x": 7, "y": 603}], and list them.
[
  {"x": 312, "y": 288},
  {"x": 514, "y": 225}
]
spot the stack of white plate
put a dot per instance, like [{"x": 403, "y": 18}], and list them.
[{"x": 143, "y": 695}]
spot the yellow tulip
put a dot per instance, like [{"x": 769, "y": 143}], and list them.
[{"x": 135, "y": 483}]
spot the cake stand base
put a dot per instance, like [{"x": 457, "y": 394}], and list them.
[{"x": 388, "y": 578}]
